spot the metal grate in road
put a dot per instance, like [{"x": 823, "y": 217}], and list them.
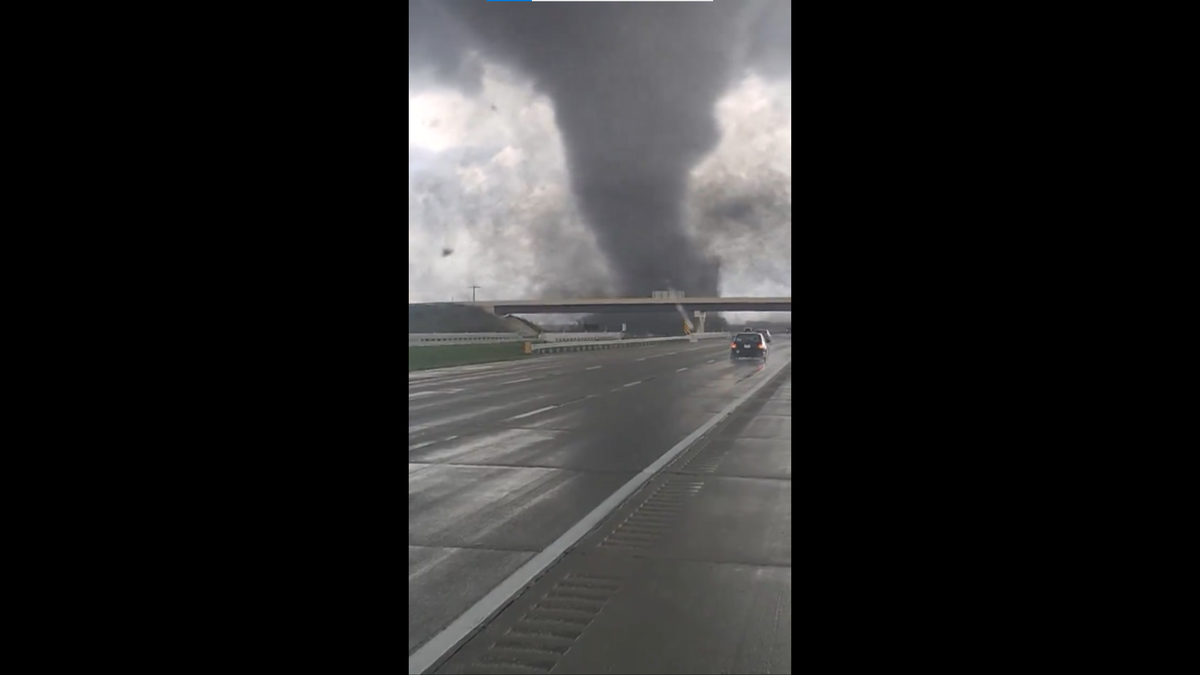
[
  {"x": 646, "y": 525},
  {"x": 546, "y": 632}
]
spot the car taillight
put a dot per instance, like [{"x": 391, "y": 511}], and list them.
[
  {"x": 733, "y": 345},
  {"x": 762, "y": 346}
]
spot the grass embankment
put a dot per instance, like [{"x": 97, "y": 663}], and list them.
[{"x": 424, "y": 358}]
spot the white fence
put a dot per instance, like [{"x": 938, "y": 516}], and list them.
[
  {"x": 580, "y": 337},
  {"x": 435, "y": 339},
  {"x": 550, "y": 348}
]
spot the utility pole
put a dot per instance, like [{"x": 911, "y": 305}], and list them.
[{"x": 473, "y": 291}]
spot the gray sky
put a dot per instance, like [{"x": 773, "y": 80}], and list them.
[{"x": 489, "y": 176}]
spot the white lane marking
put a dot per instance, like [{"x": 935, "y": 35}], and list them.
[
  {"x": 681, "y": 369},
  {"x": 593, "y": 368},
  {"x": 456, "y": 420},
  {"x": 523, "y": 379},
  {"x": 534, "y": 412},
  {"x": 670, "y": 354},
  {"x": 419, "y": 394},
  {"x": 420, "y": 445},
  {"x": 434, "y": 373},
  {"x": 468, "y": 621},
  {"x": 642, "y": 359},
  {"x": 476, "y": 379},
  {"x": 449, "y": 438},
  {"x": 631, "y": 384},
  {"x": 712, "y": 360}
]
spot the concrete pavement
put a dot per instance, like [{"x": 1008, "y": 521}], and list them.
[{"x": 505, "y": 458}]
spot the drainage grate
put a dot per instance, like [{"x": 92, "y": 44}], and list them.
[
  {"x": 546, "y": 632},
  {"x": 646, "y": 525},
  {"x": 707, "y": 460}
]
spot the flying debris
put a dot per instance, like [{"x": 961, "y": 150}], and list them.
[{"x": 447, "y": 251}]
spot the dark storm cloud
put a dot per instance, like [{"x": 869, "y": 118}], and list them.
[
  {"x": 507, "y": 230},
  {"x": 439, "y": 47},
  {"x": 737, "y": 208},
  {"x": 634, "y": 88},
  {"x": 770, "y": 52},
  {"x": 731, "y": 206}
]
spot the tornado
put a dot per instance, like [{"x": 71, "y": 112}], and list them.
[{"x": 634, "y": 87}]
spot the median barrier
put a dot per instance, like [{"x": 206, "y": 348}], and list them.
[
  {"x": 553, "y": 348},
  {"x": 439, "y": 339},
  {"x": 580, "y": 337}
]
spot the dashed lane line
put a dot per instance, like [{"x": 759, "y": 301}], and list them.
[
  {"x": 418, "y": 446},
  {"x": 533, "y": 412},
  {"x": 432, "y": 392}
]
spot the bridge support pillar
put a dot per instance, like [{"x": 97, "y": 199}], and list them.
[{"x": 702, "y": 316}]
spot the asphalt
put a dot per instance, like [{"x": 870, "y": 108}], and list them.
[{"x": 692, "y": 574}]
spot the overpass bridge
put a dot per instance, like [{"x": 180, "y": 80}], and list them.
[{"x": 603, "y": 305}]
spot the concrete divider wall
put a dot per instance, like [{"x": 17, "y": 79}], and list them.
[
  {"x": 436, "y": 339},
  {"x": 580, "y": 337}
]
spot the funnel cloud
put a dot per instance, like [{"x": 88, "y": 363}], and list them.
[{"x": 634, "y": 88}]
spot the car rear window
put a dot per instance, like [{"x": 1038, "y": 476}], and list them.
[{"x": 752, "y": 339}]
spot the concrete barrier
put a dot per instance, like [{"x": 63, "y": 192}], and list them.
[
  {"x": 580, "y": 337},
  {"x": 438, "y": 339},
  {"x": 553, "y": 348}
]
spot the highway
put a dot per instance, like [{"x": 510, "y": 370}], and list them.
[{"x": 507, "y": 460}]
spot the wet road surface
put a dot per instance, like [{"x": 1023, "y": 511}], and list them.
[{"x": 506, "y": 458}]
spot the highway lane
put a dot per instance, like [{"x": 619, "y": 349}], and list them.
[
  {"x": 692, "y": 575},
  {"x": 430, "y": 379},
  {"x": 503, "y": 460},
  {"x": 542, "y": 391}
]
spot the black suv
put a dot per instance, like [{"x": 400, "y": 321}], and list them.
[{"x": 748, "y": 346}]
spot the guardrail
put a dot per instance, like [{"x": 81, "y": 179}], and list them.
[
  {"x": 580, "y": 337},
  {"x": 437, "y": 339},
  {"x": 550, "y": 348}
]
